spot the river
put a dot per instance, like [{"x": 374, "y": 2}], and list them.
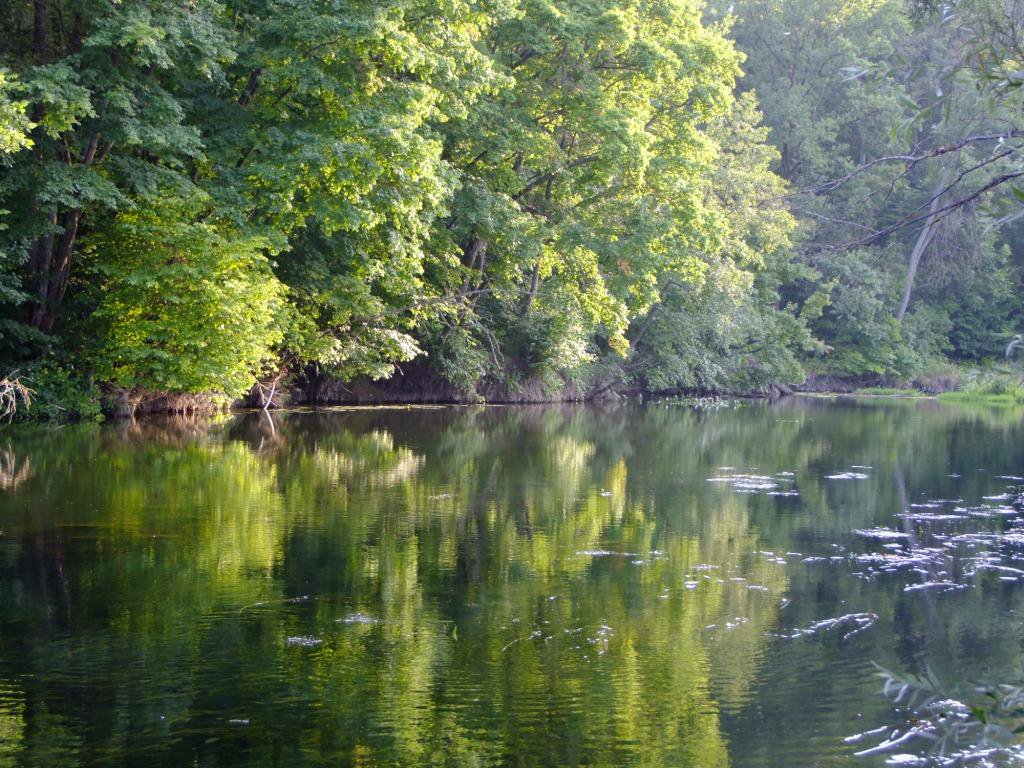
[{"x": 630, "y": 585}]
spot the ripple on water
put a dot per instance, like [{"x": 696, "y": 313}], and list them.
[
  {"x": 556, "y": 686},
  {"x": 944, "y": 545},
  {"x": 303, "y": 641}
]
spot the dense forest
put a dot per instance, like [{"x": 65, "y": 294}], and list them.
[{"x": 208, "y": 200}]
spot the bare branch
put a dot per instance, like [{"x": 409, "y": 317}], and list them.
[
  {"x": 13, "y": 391},
  {"x": 938, "y": 214},
  {"x": 909, "y": 161}
]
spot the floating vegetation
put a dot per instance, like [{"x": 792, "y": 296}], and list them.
[
  {"x": 286, "y": 601},
  {"x": 592, "y": 639},
  {"x": 881, "y": 533},
  {"x": 750, "y": 483},
  {"x": 535, "y": 635},
  {"x": 771, "y": 557},
  {"x": 728, "y": 626},
  {"x": 938, "y": 586},
  {"x": 702, "y": 403},
  {"x": 941, "y": 546},
  {"x": 930, "y": 518},
  {"x": 604, "y": 553},
  {"x": 635, "y": 558}
]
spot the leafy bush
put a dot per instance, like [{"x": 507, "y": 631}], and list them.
[
  {"x": 186, "y": 306},
  {"x": 61, "y": 394},
  {"x": 460, "y": 358},
  {"x": 938, "y": 375}
]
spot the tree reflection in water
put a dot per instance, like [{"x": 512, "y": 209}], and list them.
[{"x": 452, "y": 586}]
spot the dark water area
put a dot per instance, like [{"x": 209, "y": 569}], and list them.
[{"x": 640, "y": 585}]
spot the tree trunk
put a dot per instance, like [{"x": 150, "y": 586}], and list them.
[
  {"x": 476, "y": 254},
  {"x": 535, "y": 276},
  {"x": 62, "y": 268},
  {"x": 52, "y": 269},
  {"x": 927, "y": 232},
  {"x": 534, "y": 287},
  {"x": 39, "y": 30},
  {"x": 39, "y": 263},
  {"x": 786, "y": 162}
]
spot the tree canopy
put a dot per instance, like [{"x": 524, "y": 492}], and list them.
[{"x": 514, "y": 198}]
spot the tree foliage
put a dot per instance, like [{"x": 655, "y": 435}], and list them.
[
  {"x": 183, "y": 305},
  {"x": 894, "y": 130},
  {"x": 509, "y": 193}
]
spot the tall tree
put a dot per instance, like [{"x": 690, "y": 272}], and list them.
[{"x": 581, "y": 181}]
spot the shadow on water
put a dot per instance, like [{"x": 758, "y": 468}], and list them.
[{"x": 545, "y": 586}]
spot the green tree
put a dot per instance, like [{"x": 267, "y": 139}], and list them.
[
  {"x": 858, "y": 90},
  {"x": 184, "y": 306},
  {"x": 14, "y": 123},
  {"x": 582, "y": 184}
]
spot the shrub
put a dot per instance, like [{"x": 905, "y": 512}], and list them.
[
  {"x": 60, "y": 394},
  {"x": 188, "y": 307}
]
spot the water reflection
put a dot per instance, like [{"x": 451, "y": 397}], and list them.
[{"x": 489, "y": 586}]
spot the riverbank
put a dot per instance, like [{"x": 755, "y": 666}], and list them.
[{"x": 62, "y": 399}]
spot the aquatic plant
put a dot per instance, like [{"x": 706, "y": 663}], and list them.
[
  {"x": 979, "y": 726},
  {"x": 712, "y": 402}
]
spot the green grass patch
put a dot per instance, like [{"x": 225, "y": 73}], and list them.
[
  {"x": 964, "y": 396},
  {"x": 887, "y": 392},
  {"x": 989, "y": 388}
]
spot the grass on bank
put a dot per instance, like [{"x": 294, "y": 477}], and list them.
[
  {"x": 972, "y": 397},
  {"x": 994, "y": 383},
  {"x": 888, "y": 391},
  {"x": 990, "y": 387}
]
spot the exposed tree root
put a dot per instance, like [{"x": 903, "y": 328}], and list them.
[{"x": 129, "y": 403}]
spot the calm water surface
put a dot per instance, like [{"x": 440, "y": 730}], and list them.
[{"x": 627, "y": 586}]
